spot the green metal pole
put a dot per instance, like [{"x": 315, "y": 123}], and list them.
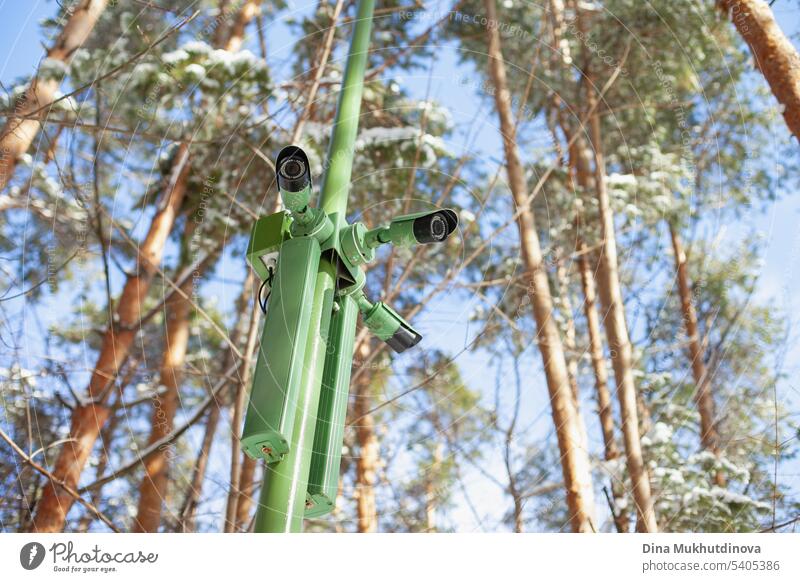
[
  {"x": 283, "y": 496},
  {"x": 345, "y": 127}
]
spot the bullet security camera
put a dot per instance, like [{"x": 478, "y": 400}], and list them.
[
  {"x": 427, "y": 227},
  {"x": 294, "y": 184},
  {"x": 294, "y": 178},
  {"x": 388, "y": 325},
  {"x": 419, "y": 228},
  {"x": 405, "y": 337},
  {"x": 293, "y": 171}
]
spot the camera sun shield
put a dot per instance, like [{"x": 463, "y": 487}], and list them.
[{"x": 388, "y": 325}]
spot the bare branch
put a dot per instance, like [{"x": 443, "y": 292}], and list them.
[{"x": 55, "y": 481}]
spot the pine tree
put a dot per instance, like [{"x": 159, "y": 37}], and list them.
[
  {"x": 575, "y": 462},
  {"x": 20, "y": 130},
  {"x": 775, "y": 56}
]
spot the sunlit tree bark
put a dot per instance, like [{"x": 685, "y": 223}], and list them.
[
  {"x": 774, "y": 54},
  {"x": 709, "y": 436},
  {"x": 249, "y": 10},
  {"x": 616, "y": 327},
  {"x": 247, "y": 488},
  {"x": 153, "y": 488},
  {"x": 574, "y": 458},
  {"x": 21, "y": 129},
  {"x": 580, "y": 165},
  {"x": 368, "y": 460},
  {"x": 89, "y": 417},
  {"x": 195, "y": 487},
  {"x": 564, "y": 304}
]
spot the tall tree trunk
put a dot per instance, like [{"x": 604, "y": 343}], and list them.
[
  {"x": 614, "y": 318},
  {"x": 221, "y": 31},
  {"x": 247, "y": 13},
  {"x": 774, "y": 54},
  {"x": 431, "y": 478},
  {"x": 106, "y": 439},
  {"x": 153, "y": 488},
  {"x": 245, "y": 369},
  {"x": 574, "y": 459},
  {"x": 369, "y": 452},
  {"x": 610, "y": 449},
  {"x": 245, "y": 483},
  {"x": 88, "y": 418},
  {"x": 620, "y": 346},
  {"x": 580, "y": 166},
  {"x": 564, "y": 305},
  {"x": 709, "y": 437},
  {"x": 561, "y": 50},
  {"x": 622, "y": 361},
  {"x": 247, "y": 488},
  {"x": 21, "y": 129},
  {"x": 243, "y": 307}
]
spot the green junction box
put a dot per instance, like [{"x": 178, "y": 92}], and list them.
[{"x": 279, "y": 368}]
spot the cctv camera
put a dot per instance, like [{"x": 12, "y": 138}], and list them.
[
  {"x": 435, "y": 227},
  {"x": 388, "y": 325},
  {"x": 293, "y": 172},
  {"x": 405, "y": 337},
  {"x": 426, "y": 227},
  {"x": 419, "y": 228},
  {"x": 294, "y": 178}
]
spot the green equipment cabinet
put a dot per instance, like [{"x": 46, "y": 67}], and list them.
[{"x": 276, "y": 382}]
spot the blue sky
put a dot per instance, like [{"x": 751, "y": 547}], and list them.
[{"x": 21, "y": 46}]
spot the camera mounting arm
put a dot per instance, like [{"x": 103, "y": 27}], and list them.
[{"x": 358, "y": 244}]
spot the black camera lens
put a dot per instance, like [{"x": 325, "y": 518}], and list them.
[
  {"x": 433, "y": 228},
  {"x": 292, "y": 169},
  {"x": 438, "y": 228}
]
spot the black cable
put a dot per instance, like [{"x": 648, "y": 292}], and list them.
[{"x": 268, "y": 280}]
